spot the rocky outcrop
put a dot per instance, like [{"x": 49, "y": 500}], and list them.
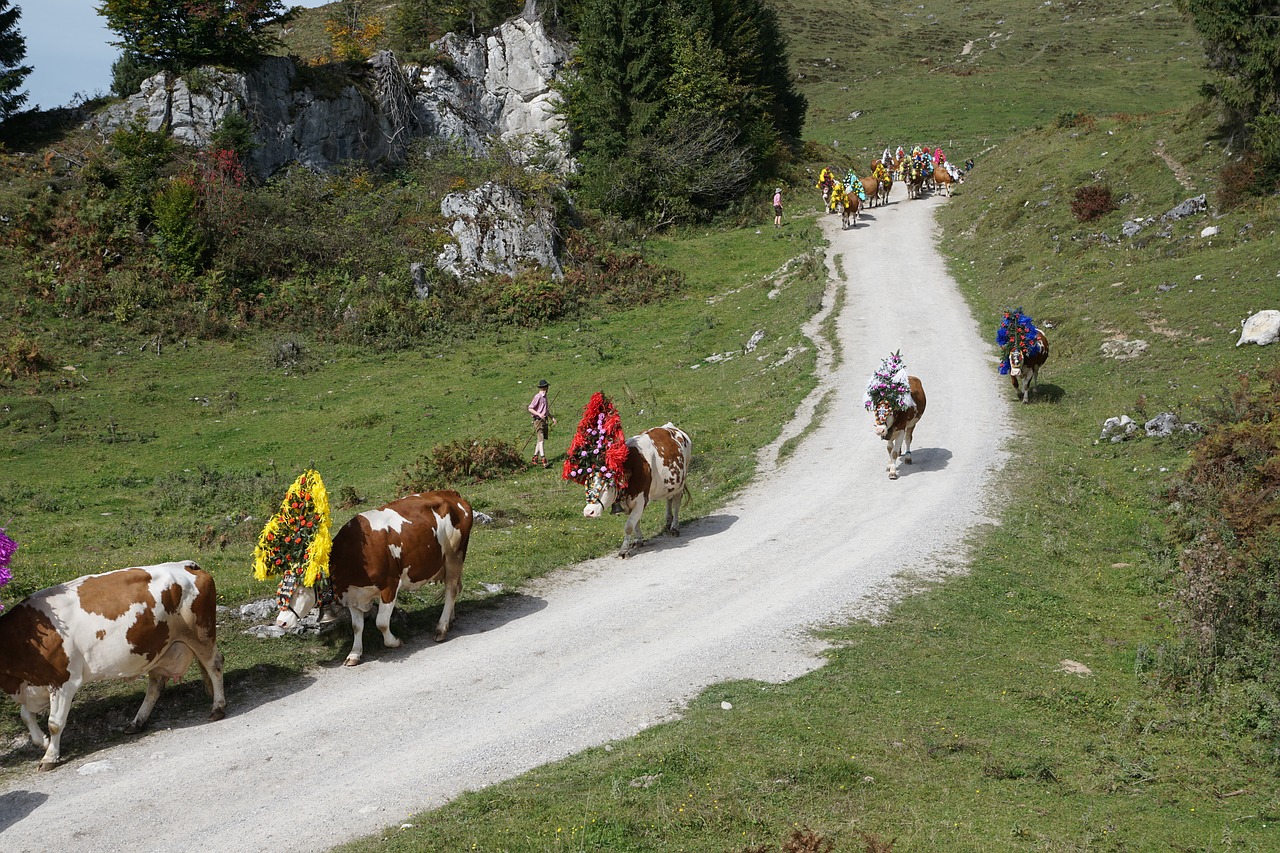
[
  {"x": 492, "y": 89},
  {"x": 495, "y": 232}
]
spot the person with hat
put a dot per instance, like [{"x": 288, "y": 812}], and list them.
[
  {"x": 540, "y": 409},
  {"x": 777, "y": 207}
]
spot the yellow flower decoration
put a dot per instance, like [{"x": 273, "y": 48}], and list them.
[{"x": 296, "y": 539}]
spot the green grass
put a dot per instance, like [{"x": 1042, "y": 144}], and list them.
[{"x": 902, "y": 67}]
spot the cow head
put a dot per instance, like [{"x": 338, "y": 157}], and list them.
[
  {"x": 884, "y": 415},
  {"x": 1016, "y": 357},
  {"x": 296, "y": 599},
  {"x": 602, "y": 491}
]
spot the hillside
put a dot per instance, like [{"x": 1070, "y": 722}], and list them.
[{"x": 124, "y": 446}]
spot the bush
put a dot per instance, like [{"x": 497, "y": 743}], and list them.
[
  {"x": 178, "y": 233},
  {"x": 1226, "y": 508},
  {"x": 465, "y": 461},
  {"x": 1092, "y": 202}
]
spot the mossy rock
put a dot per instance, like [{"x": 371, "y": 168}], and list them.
[{"x": 21, "y": 415}]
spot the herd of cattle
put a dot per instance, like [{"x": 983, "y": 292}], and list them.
[{"x": 154, "y": 620}]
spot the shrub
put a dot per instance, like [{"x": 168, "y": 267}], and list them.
[
  {"x": 1092, "y": 202},
  {"x": 178, "y": 232},
  {"x": 468, "y": 460},
  {"x": 1068, "y": 120},
  {"x": 1226, "y": 508},
  {"x": 21, "y": 356}
]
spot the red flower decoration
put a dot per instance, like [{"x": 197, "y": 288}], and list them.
[{"x": 599, "y": 446}]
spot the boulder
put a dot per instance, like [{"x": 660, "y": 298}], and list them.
[
  {"x": 494, "y": 232},
  {"x": 1190, "y": 207},
  {"x": 1118, "y": 428},
  {"x": 1262, "y": 328}
]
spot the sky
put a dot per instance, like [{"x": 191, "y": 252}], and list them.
[{"x": 68, "y": 49}]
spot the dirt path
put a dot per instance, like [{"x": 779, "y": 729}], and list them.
[{"x": 601, "y": 651}]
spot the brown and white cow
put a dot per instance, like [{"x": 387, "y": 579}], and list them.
[
  {"x": 1024, "y": 368},
  {"x": 896, "y": 426},
  {"x": 145, "y": 620},
  {"x": 656, "y": 466},
  {"x": 405, "y": 544}
]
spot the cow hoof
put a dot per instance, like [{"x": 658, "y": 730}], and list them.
[
  {"x": 441, "y": 636},
  {"x": 675, "y": 531},
  {"x": 906, "y": 460},
  {"x": 134, "y": 727},
  {"x": 47, "y": 765},
  {"x": 217, "y": 714},
  {"x": 351, "y": 660},
  {"x": 893, "y": 475}
]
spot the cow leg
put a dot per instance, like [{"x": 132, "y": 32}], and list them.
[
  {"x": 906, "y": 454},
  {"x": 211, "y": 672},
  {"x": 172, "y": 664},
  {"x": 59, "y": 709},
  {"x": 357, "y": 635},
  {"x": 383, "y": 621},
  {"x": 673, "y": 516},
  {"x": 631, "y": 538},
  {"x": 32, "y": 702},
  {"x": 892, "y": 446},
  {"x": 452, "y": 589}
]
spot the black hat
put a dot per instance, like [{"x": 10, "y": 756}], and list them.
[{"x": 542, "y": 383}]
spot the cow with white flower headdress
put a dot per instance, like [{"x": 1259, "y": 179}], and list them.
[{"x": 896, "y": 401}]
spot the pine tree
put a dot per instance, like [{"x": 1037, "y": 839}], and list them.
[
  {"x": 1242, "y": 46},
  {"x": 676, "y": 108},
  {"x": 13, "y": 49}
]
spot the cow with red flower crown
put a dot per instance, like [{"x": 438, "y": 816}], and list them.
[{"x": 627, "y": 474}]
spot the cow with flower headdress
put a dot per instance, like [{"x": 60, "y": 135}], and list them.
[
  {"x": 896, "y": 401},
  {"x": 627, "y": 474},
  {"x": 1024, "y": 350},
  {"x": 402, "y": 545}
]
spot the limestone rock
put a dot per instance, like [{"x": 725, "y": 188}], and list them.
[
  {"x": 495, "y": 233},
  {"x": 1262, "y": 328},
  {"x": 1122, "y": 349},
  {"x": 493, "y": 89}
]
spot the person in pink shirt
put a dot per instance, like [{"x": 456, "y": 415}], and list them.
[
  {"x": 777, "y": 207},
  {"x": 540, "y": 409}
]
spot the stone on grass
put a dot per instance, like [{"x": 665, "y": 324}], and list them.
[{"x": 1262, "y": 328}]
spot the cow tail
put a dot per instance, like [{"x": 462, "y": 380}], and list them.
[{"x": 687, "y": 496}]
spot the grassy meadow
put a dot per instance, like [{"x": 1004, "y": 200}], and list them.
[{"x": 1017, "y": 706}]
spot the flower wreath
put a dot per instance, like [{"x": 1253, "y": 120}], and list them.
[
  {"x": 889, "y": 385},
  {"x": 599, "y": 446},
  {"x": 7, "y": 547},
  {"x": 1016, "y": 332},
  {"x": 296, "y": 541}
]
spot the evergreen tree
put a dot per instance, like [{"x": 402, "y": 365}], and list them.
[
  {"x": 176, "y": 35},
  {"x": 676, "y": 108},
  {"x": 13, "y": 49},
  {"x": 1242, "y": 44}
]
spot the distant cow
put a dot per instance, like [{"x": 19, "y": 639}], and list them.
[
  {"x": 409, "y": 542},
  {"x": 896, "y": 425},
  {"x": 1024, "y": 365},
  {"x": 146, "y": 620},
  {"x": 656, "y": 466}
]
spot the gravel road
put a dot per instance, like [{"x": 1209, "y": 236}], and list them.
[{"x": 605, "y": 649}]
